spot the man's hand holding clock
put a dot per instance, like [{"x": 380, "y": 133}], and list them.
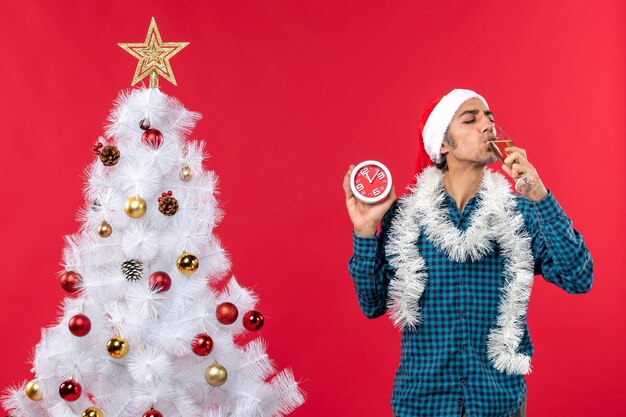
[{"x": 369, "y": 194}]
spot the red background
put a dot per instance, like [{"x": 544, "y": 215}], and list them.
[{"x": 293, "y": 92}]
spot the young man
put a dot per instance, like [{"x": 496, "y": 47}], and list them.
[{"x": 454, "y": 264}]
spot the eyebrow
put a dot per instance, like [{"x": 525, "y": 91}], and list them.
[{"x": 475, "y": 112}]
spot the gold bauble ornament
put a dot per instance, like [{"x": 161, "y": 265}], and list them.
[
  {"x": 117, "y": 347},
  {"x": 215, "y": 375},
  {"x": 93, "y": 412},
  {"x": 135, "y": 207},
  {"x": 105, "y": 229},
  {"x": 187, "y": 263},
  {"x": 33, "y": 391},
  {"x": 186, "y": 174}
]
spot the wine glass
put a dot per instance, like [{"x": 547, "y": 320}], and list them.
[{"x": 499, "y": 141}]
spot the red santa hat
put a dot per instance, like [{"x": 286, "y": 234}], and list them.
[{"x": 435, "y": 120}]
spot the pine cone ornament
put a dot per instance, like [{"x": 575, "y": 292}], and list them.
[
  {"x": 132, "y": 270},
  {"x": 168, "y": 205},
  {"x": 109, "y": 155}
]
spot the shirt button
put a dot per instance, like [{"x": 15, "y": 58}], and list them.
[
  {"x": 461, "y": 282},
  {"x": 462, "y": 347},
  {"x": 462, "y": 314},
  {"x": 464, "y": 381}
]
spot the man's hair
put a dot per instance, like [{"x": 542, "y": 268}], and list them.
[{"x": 443, "y": 165}]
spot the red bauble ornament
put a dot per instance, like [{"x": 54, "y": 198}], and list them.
[
  {"x": 70, "y": 390},
  {"x": 202, "y": 344},
  {"x": 153, "y": 413},
  {"x": 227, "y": 313},
  {"x": 160, "y": 281},
  {"x": 70, "y": 281},
  {"x": 79, "y": 325},
  {"x": 152, "y": 137},
  {"x": 253, "y": 320}
]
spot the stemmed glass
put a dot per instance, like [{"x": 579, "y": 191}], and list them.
[{"x": 500, "y": 140}]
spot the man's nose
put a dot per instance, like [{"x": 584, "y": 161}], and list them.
[{"x": 488, "y": 126}]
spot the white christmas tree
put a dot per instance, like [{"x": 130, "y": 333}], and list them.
[{"x": 145, "y": 332}]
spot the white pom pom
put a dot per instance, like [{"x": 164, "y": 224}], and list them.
[
  {"x": 149, "y": 365},
  {"x": 140, "y": 242}
]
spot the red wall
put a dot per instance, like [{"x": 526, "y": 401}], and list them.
[{"x": 293, "y": 92}]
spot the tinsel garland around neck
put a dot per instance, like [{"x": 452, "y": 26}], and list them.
[{"x": 495, "y": 220}]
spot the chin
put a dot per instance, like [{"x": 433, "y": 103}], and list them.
[{"x": 491, "y": 159}]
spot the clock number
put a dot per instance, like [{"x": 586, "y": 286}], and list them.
[
  {"x": 365, "y": 171},
  {"x": 360, "y": 187},
  {"x": 376, "y": 191},
  {"x": 380, "y": 175}
]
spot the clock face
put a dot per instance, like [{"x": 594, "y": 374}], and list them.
[{"x": 370, "y": 181}]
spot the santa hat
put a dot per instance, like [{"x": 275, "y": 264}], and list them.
[{"x": 434, "y": 121}]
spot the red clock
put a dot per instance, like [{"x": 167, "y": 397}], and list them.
[{"x": 370, "y": 182}]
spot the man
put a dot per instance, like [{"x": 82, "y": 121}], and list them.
[{"x": 454, "y": 264}]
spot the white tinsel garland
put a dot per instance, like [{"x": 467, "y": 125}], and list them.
[{"x": 495, "y": 220}]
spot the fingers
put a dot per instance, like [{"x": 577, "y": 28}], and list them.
[
  {"x": 514, "y": 157},
  {"x": 507, "y": 169},
  {"x": 346, "y": 182},
  {"x": 517, "y": 166},
  {"x": 391, "y": 197},
  {"x": 518, "y": 149},
  {"x": 392, "y": 194},
  {"x": 515, "y": 170},
  {"x": 514, "y": 149}
]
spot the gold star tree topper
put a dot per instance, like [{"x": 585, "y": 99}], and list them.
[{"x": 154, "y": 56}]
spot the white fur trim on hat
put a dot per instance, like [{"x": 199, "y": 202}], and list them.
[{"x": 441, "y": 117}]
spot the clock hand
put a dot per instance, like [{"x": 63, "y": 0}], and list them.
[
  {"x": 367, "y": 176},
  {"x": 377, "y": 171}
]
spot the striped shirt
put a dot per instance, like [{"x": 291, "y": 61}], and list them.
[{"x": 443, "y": 367}]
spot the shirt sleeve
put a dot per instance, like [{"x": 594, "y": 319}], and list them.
[
  {"x": 370, "y": 270},
  {"x": 560, "y": 253}
]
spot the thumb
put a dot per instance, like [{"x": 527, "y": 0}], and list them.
[{"x": 346, "y": 182}]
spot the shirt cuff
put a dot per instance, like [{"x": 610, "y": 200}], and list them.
[
  {"x": 548, "y": 208},
  {"x": 364, "y": 247}
]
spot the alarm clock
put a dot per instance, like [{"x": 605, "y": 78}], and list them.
[{"x": 370, "y": 182}]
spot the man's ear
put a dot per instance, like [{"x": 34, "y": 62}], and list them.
[{"x": 444, "y": 148}]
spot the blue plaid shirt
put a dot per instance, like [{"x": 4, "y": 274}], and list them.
[{"x": 444, "y": 366}]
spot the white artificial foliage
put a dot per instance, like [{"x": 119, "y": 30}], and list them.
[
  {"x": 14, "y": 399},
  {"x": 257, "y": 363},
  {"x": 286, "y": 396},
  {"x": 160, "y": 369},
  {"x": 138, "y": 179},
  {"x": 62, "y": 408},
  {"x": 149, "y": 365},
  {"x": 219, "y": 412},
  {"x": 140, "y": 242},
  {"x": 145, "y": 302},
  {"x": 174, "y": 337}
]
